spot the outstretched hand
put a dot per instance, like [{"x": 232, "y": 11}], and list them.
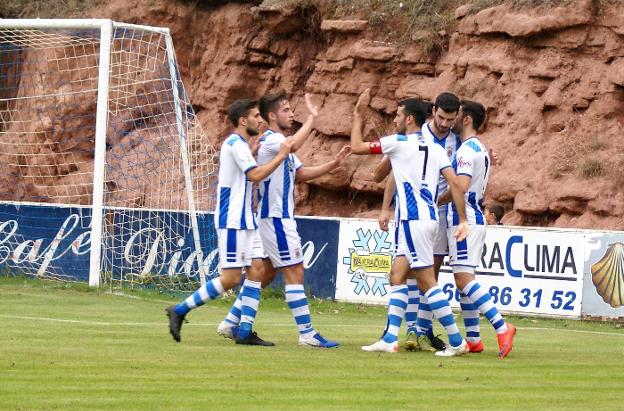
[
  {"x": 343, "y": 154},
  {"x": 311, "y": 107},
  {"x": 362, "y": 102}
]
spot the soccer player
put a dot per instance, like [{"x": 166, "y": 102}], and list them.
[
  {"x": 472, "y": 164},
  {"x": 234, "y": 219},
  {"x": 418, "y": 316},
  {"x": 277, "y": 226},
  {"x": 416, "y": 164}
]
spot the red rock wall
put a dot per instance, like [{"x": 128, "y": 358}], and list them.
[{"x": 552, "y": 81}]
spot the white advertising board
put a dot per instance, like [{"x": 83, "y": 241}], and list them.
[{"x": 528, "y": 271}]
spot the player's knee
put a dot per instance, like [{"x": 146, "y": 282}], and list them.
[
  {"x": 294, "y": 274},
  {"x": 463, "y": 277},
  {"x": 231, "y": 278}
]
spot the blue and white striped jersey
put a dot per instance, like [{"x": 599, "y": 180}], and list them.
[
  {"x": 416, "y": 164},
  {"x": 472, "y": 160},
  {"x": 235, "y": 191},
  {"x": 450, "y": 143},
  {"x": 276, "y": 196}
]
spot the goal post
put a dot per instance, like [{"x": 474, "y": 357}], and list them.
[{"x": 96, "y": 129}]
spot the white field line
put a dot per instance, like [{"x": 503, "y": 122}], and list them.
[{"x": 289, "y": 324}]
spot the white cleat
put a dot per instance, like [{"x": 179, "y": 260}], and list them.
[
  {"x": 226, "y": 330},
  {"x": 317, "y": 340},
  {"x": 382, "y": 346},
  {"x": 450, "y": 351}
]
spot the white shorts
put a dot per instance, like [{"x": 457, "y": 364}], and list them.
[
  {"x": 258, "y": 248},
  {"x": 465, "y": 255},
  {"x": 235, "y": 247},
  {"x": 281, "y": 241},
  {"x": 415, "y": 241},
  {"x": 440, "y": 244}
]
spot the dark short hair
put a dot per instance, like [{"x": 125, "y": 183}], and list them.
[
  {"x": 269, "y": 103},
  {"x": 429, "y": 107},
  {"x": 240, "y": 108},
  {"x": 448, "y": 102},
  {"x": 498, "y": 212},
  {"x": 415, "y": 108},
  {"x": 474, "y": 110}
]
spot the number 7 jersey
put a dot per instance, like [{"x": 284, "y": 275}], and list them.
[{"x": 416, "y": 164}]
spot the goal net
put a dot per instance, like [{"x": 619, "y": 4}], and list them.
[{"x": 105, "y": 172}]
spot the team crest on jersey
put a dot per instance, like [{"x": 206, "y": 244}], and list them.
[{"x": 449, "y": 152}]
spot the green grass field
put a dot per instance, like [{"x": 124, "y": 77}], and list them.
[{"x": 66, "y": 348}]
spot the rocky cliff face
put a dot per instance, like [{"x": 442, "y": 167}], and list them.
[{"x": 552, "y": 80}]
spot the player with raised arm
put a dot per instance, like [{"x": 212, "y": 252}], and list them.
[
  {"x": 277, "y": 226},
  {"x": 472, "y": 165},
  {"x": 416, "y": 164},
  {"x": 418, "y": 316},
  {"x": 234, "y": 218}
]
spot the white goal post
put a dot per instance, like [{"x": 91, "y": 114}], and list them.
[{"x": 94, "y": 119}]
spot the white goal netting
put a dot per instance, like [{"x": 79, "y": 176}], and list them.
[{"x": 157, "y": 164}]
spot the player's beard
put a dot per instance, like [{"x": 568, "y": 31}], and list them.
[
  {"x": 284, "y": 125},
  {"x": 251, "y": 132},
  {"x": 402, "y": 128}
]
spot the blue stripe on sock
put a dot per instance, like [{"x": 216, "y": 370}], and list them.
[
  {"x": 298, "y": 303},
  {"x": 455, "y": 340},
  {"x": 303, "y": 319}
]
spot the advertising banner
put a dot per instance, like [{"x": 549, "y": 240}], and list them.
[
  {"x": 527, "y": 271},
  {"x": 603, "y": 285},
  {"x": 54, "y": 241},
  {"x": 364, "y": 259}
]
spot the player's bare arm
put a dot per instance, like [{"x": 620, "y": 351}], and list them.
[
  {"x": 457, "y": 193},
  {"x": 301, "y": 136},
  {"x": 309, "y": 173},
  {"x": 386, "y": 212},
  {"x": 358, "y": 146},
  {"x": 382, "y": 170}
]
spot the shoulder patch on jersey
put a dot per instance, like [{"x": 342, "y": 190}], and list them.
[
  {"x": 233, "y": 139},
  {"x": 473, "y": 145}
]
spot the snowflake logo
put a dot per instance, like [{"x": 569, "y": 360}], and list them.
[{"x": 366, "y": 263}]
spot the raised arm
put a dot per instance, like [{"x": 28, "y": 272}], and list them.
[
  {"x": 302, "y": 134},
  {"x": 358, "y": 146}
]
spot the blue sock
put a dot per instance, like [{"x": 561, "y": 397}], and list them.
[
  {"x": 471, "y": 319},
  {"x": 481, "y": 298},
  {"x": 233, "y": 316},
  {"x": 250, "y": 301},
  {"x": 424, "y": 322},
  {"x": 298, "y": 304},
  {"x": 396, "y": 312},
  {"x": 210, "y": 291},
  {"x": 442, "y": 311},
  {"x": 411, "y": 313}
]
